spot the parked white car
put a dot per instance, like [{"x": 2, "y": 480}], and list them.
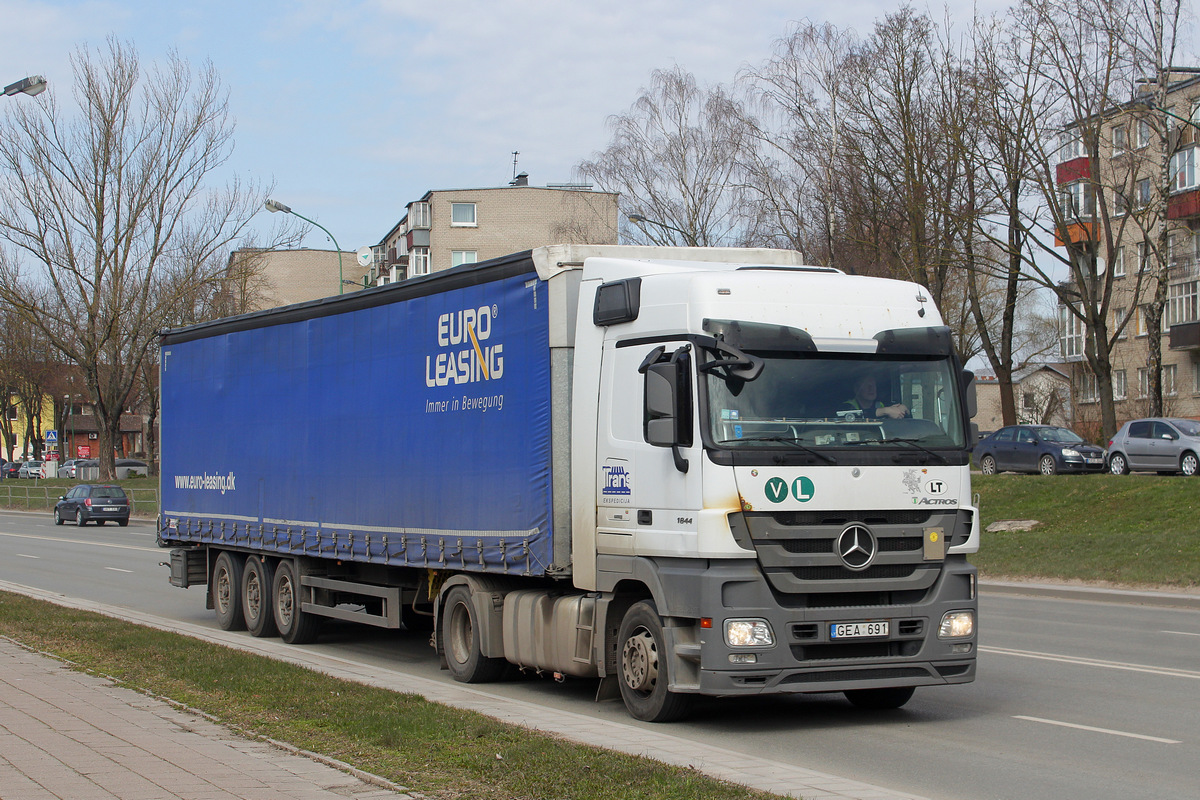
[{"x": 32, "y": 469}]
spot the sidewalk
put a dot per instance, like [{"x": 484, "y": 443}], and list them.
[{"x": 67, "y": 735}]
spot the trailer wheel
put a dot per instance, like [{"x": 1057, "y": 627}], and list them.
[
  {"x": 880, "y": 699},
  {"x": 644, "y": 675},
  {"x": 256, "y": 597},
  {"x": 227, "y": 592},
  {"x": 295, "y": 625},
  {"x": 460, "y": 636}
]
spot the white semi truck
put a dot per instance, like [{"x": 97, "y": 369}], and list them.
[{"x": 654, "y": 467}]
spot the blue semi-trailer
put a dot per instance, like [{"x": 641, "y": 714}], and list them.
[{"x": 604, "y": 462}]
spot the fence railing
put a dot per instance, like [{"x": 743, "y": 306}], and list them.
[{"x": 142, "y": 502}]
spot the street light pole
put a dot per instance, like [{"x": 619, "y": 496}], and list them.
[
  {"x": 638, "y": 219},
  {"x": 274, "y": 205}
]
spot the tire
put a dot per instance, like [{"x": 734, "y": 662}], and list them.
[
  {"x": 58, "y": 520},
  {"x": 643, "y": 673},
  {"x": 987, "y": 465},
  {"x": 1117, "y": 464},
  {"x": 880, "y": 699},
  {"x": 80, "y": 519},
  {"x": 295, "y": 625},
  {"x": 460, "y": 640},
  {"x": 227, "y": 592},
  {"x": 257, "y": 580},
  {"x": 123, "y": 522},
  {"x": 1189, "y": 465},
  {"x": 1046, "y": 465}
]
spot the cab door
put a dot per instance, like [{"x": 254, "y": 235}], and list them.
[{"x": 646, "y": 504}]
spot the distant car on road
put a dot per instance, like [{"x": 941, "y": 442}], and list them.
[
  {"x": 67, "y": 468},
  {"x": 87, "y": 502},
  {"x": 32, "y": 469},
  {"x": 1047, "y": 449},
  {"x": 1159, "y": 444}
]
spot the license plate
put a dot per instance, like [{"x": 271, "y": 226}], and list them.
[
  {"x": 857, "y": 630},
  {"x": 110, "y": 508},
  {"x": 1094, "y": 460}
]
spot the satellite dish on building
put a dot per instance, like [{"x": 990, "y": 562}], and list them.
[{"x": 365, "y": 256}]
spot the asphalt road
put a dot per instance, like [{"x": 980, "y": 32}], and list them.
[{"x": 1074, "y": 699}]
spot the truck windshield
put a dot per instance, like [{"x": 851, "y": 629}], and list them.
[{"x": 837, "y": 400}]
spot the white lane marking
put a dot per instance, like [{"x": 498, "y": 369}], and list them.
[
  {"x": 1099, "y": 730},
  {"x": 1181, "y": 633},
  {"x": 22, "y": 555},
  {"x": 117, "y": 569},
  {"x": 1094, "y": 662},
  {"x": 60, "y": 539}
]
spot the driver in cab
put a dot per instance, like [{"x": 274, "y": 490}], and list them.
[{"x": 867, "y": 401}]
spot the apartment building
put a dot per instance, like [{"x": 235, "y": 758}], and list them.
[
  {"x": 449, "y": 227},
  {"x": 1126, "y": 178}
]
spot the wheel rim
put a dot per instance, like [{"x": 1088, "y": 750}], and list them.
[
  {"x": 284, "y": 601},
  {"x": 639, "y": 661},
  {"x": 1047, "y": 465},
  {"x": 1190, "y": 464},
  {"x": 988, "y": 467},
  {"x": 253, "y": 595},
  {"x": 1117, "y": 465},
  {"x": 461, "y": 633},
  {"x": 222, "y": 593}
]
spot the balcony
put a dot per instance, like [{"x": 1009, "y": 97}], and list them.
[
  {"x": 1076, "y": 232},
  {"x": 1184, "y": 205},
  {"x": 1076, "y": 169},
  {"x": 1185, "y": 336}
]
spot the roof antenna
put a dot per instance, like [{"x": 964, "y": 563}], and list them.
[{"x": 515, "y": 153}]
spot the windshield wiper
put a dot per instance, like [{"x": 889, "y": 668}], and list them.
[
  {"x": 911, "y": 442},
  {"x": 783, "y": 440}
]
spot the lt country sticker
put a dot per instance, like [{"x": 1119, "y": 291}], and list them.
[{"x": 802, "y": 489}]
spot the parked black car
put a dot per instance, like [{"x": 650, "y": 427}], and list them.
[
  {"x": 9, "y": 469},
  {"x": 87, "y": 502},
  {"x": 1047, "y": 449}
]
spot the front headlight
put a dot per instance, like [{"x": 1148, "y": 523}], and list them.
[
  {"x": 957, "y": 625},
  {"x": 1070, "y": 453},
  {"x": 748, "y": 633}
]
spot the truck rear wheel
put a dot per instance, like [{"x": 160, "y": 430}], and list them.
[
  {"x": 879, "y": 699},
  {"x": 227, "y": 592},
  {"x": 644, "y": 674},
  {"x": 460, "y": 639},
  {"x": 256, "y": 596},
  {"x": 295, "y": 625}
]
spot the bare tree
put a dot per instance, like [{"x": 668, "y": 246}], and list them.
[
  {"x": 110, "y": 214},
  {"x": 674, "y": 160}
]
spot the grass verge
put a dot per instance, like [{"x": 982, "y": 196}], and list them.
[
  {"x": 438, "y": 751},
  {"x": 1139, "y": 530}
]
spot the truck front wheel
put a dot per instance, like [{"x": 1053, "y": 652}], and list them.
[
  {"x": 460, "y": 638},
  {"x": 227, "y": 592},
  {"x": 644, "y": 673},
  {"x": 296, "y": 626},
  {"x": 256, "y": 596}
]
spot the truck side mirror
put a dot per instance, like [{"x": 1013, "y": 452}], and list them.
[
  {"x": 968, "y": 384},
  {"x": 667, "y": 402}
]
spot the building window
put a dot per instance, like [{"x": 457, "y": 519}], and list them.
[
  {"x": 1143, "y": 193},
  {"x": 1119, "y": 384},
  {"x": 1195, "y": 379},
  {"x": 1168, "y": 380},
  {"x": 1183, "y": 170},
  {"x": 1120, "y": 204},
  {"x": 1119, "y": 140},
  {"x": 418, "y": 215},
  {"x": 1122, "y": 317},
  {"x": 1079, "y": 200},
  {"x": 1143, "y": 382},
  {"x": 1181, "y": 303},
  {"x": 1088, "y": 390},
  {"x": 462, "y": 214},
  {"x": 1028, "y": 401},
  {"x": 1143, "y": 256},
  {"x": 1119, "y": 263},
  {"x": 458, "y": 257},
  {"x": 1142, "y": 133},
  {"x": 418, "y": 261},
  {"x": 1070, "y": 334},
  {"x": 1072, "y": 146}
]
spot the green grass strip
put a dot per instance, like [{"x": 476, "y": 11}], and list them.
[{"x": 432, "y": 749}]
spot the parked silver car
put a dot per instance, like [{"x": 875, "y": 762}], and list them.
[
  {"x": 32, "y": 469},
  {"x": 1156, "y": 444}
]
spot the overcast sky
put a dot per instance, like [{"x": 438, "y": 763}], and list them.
[{"x": 353, "y": 108}]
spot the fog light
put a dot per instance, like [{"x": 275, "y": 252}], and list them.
[
  {"x": 748, "y": 633},
  {"x": 961, "y": 649},
  {"x": 743, "y": 658},
  {"x": 957, "y": 624}
]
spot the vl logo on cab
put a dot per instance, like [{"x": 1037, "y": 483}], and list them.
[{"x": 802, "y": 489}]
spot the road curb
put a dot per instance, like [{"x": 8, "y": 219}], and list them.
[{"x": 1092, "y": 594}]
